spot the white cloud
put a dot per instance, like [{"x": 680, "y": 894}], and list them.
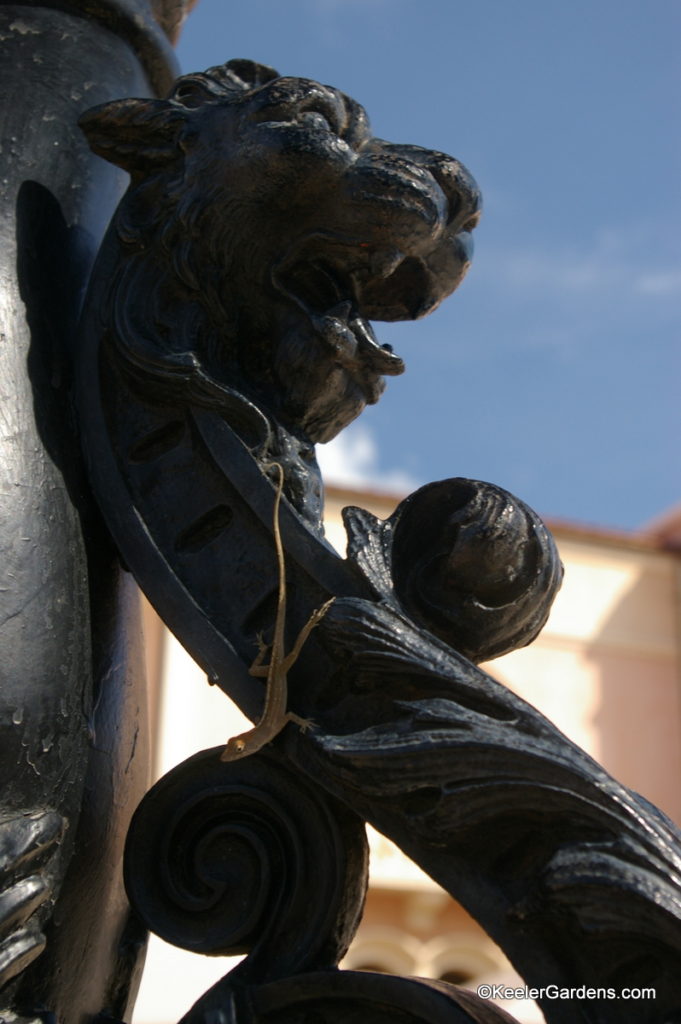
[
  {"x": 664, "y": 282},
  {"x": 610, "y": 264},
  {"x": 351, "y": 460},
  {"x": 563, "y": 272}
]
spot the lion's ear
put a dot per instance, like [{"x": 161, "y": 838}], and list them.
[
  {"x": 137, "y": 135},
  {"x": 242, "y": 73}
]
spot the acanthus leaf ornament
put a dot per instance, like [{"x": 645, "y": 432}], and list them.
[{"x": 225, "y": 333}]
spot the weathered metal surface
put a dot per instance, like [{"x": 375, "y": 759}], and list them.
[
  {"x": 72, "y": 700},
  {"x": 227, "y": 331}
]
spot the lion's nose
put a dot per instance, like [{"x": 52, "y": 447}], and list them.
[
  {"x": 461, "y": 189},
  {"x": 458, "y": 184},
  {"x": 464, "y": 199}
]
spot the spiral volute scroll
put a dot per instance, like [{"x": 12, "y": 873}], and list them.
[
  {"x": 475, "y": 565},
  {"x": 465, "y": 559},
  {"x": 248, "y": 857}
]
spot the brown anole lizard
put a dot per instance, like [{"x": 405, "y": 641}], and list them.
[{"x": 275, "y": 715}]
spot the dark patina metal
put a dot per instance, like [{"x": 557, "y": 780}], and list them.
[
  {"x": 73, "y": 759},
  {"x": 226, "y": 331}
]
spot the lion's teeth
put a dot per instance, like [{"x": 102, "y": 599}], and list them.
[
  {"x": 383, "y": 262},
  {"x": 337, "y": 336},
  {"x": 381, "y": 357},
  {"x": 362, "y": 328},
  {"x": 341, "y": 310}
]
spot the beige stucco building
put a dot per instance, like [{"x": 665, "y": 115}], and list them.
[{"x": 606, "y": 670}]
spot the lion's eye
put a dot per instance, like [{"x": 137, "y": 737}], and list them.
[
  {"x": 316, "y": 121},
  {"x": 324, "y": 113},
  {"x": 190, "y": 94}
]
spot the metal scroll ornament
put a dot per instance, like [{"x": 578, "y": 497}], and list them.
[{"x": 226, "y": 332}]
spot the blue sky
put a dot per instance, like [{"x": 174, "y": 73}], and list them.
[{"x": 555, "y": 370}]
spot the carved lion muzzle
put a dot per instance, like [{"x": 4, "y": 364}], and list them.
[{"x": 269, "y": 198}]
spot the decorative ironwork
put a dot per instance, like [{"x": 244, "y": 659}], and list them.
[
  {"x": 248, "y": 857},
  {"x": 227, "y": 331},
  {"x": 73, "y": 751}
]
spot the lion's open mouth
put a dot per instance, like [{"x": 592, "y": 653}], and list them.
[{"x": 327, "y": 291}]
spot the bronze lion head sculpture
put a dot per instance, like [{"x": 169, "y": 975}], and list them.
[{"x": 264, "y": 227}]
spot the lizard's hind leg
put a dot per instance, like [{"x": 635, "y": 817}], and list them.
[
  {"x": 257, "y": 668},
  {"x": 314, "y": 620}
]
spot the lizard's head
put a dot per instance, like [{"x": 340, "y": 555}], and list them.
[{"x": 235, "y": 749}]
